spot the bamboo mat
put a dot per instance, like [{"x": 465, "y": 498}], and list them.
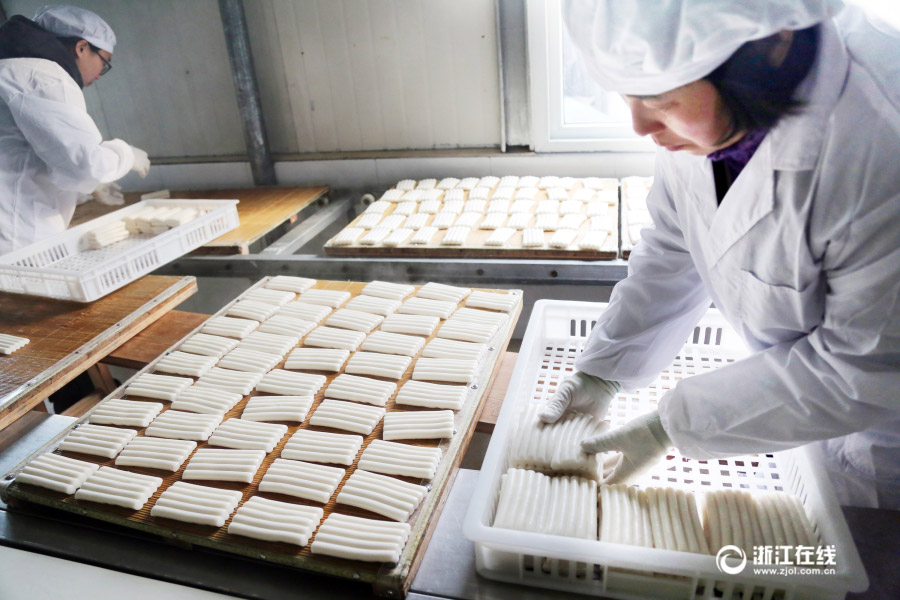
[
  {"x": 390, "y": 580},
  {"x": 475, "y": 246},
  {"x": 68, "y": 337}
]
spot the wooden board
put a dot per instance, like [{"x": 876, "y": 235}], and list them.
[
  {"x": 145, "y": 347},
  {"x": 68, "y": 337},
  {"x": 475, "y": 247},
  {"x": 261, "y": 211},
  {"x": 388, "y": 580}
]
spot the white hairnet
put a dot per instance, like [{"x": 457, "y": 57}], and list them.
[
  {"x": 72, "y": 21},
  {"x": 647, "y": 48}
]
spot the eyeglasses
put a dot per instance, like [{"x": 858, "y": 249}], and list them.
[{"x": 106, "y": 64}]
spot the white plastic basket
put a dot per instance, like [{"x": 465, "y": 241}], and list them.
[
  {"x": 556, "y": 334},
  {"x": 65, "y": 267}
]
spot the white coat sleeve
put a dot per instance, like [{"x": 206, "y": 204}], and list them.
[
  {"x": 67, "y": 140},
  {"x": 653, "y": 310},
  {"x": 840, "y": 378}
]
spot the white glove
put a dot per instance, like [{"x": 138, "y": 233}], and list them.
[
  {"x": 109, "y": 194},
  {"x": 641, "y": 441},
  {"x": 580, "y": 392},
  {"x": 141, "y": 162}
]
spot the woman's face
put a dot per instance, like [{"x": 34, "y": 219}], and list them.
[
  {"x": 691, "y": 118},
  {"x": 90, "y": 63}
]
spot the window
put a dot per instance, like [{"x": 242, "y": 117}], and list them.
[{"x": 570, "y": 112}]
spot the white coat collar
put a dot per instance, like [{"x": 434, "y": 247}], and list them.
[{"x": 797, "y": 139}]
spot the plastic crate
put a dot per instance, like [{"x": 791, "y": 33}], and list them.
[
  {"x": 556, "y": 334},
  {"x": 65, "y": 267}
]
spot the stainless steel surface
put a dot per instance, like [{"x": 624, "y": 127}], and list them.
[
  {"x": 244, "y": 75},
  {"x": 513, "y": 56},
  {"x": 309, "y": 227}
]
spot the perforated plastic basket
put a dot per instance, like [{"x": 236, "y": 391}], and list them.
[
  {"x": 556, "y": 334},
  {"x": 65, "y": 267}
]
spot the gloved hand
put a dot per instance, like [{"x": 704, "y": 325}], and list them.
[
  {"x": 141, "y": 162},
  {"x": 580, "y": 392},
  {"x": 641, "y": 441},
  {"x": 109, "y": 194}
]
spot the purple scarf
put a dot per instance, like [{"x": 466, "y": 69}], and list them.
[{"x": 737, "y": 155}]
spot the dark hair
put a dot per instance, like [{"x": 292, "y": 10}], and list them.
[
  {"x": 757, "y": 94},
  {"x": 69, "y": 41}
]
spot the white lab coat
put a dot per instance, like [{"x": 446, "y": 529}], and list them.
[
  {"x": 50, "y": 151},
  {"x": 803, "y": 259}
]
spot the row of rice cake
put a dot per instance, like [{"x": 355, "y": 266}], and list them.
[
  {"x": 664, "y": 518},
  {"x": 256, "y": 517},
  {"x": 508, "y": 181}
]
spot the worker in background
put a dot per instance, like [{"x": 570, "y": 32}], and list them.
[
  {"x": 776, "y": 196},
  {"x": 51, "y": 151}
]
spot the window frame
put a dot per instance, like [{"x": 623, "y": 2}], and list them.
[{"x": 548, "y": 131}]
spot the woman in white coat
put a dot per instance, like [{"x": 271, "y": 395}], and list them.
[
  {"x": 777, "y": 198},
  {"x": 51, "y": 151}
]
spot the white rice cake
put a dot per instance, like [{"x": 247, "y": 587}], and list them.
[
  {"x": 115, "y": 411},
  {"x": 250, "y": 361},
  {"x": 423, "y": 236},
  {"x": 374, "y": 236},
  {"x": 182, "y": 425},
  {"x": 493, "y": 301},
  {"x": 288, "y": 283},
  {"x": 285, "y": 325},
  {"x": 348, "y": 416},
  {"x": 571, "y": 221},
  {"x": 773, "y": 519},
  {"x": 11, "y": 343},
  {"x": 394, "y": 458},
  {"x": 468, "y": 183},
  {"x": 601, "y": 183},
  {"x": 461, "y": 329},
  {"x": 504, "y": 192},
  {"x": 369, "y": 220},
  {"x": 397, "y": 237},
  {"x": 247, "y": 435},
  {"x": 526, "y": 193},
  {"x": 320, "y": 446},
  {"x": 161, "y": 387},
  {"x": 493, "y": 220},
  {"x": 427, "y": 306},
  {"x": 444, "y": 348},
  {"x": 251, "y": 309},
  {"x": 272, "y": 521},
  {"x": 289, "y": 383},
  {"x": 406, "y": 184},
  {"x": 208, "y": 345},
  {"x": 269, "y": 296},
  {"x": 555, "y": 448},
  {"x": 384, "y": 289},
  {"x": 584, "y": 194},
  {"x": 391, "y": 366},
  {"x": 379, "y": 206},
  {"x": 520, "y": 207},
  {"x": 467, "y": 219},
  {"x": 488, "y": 181},
  {"x": 571, "y": 207},
  {"x": 548, "y": 181},
  {"x": 183, "y": 363},
  {"x": 331, "y": 337},
  {"x": 361, "y": 389},
  {"x": 56, "y": 472},
  {"x": 477, "y": 206},
  {"x": 445, "y": 369},
  {"x": 277, "y": 344},
  {"x": 415, "y": 222},
  {"x": 317, "y": 359},
  {"x": 431, "y": 395},
  {"x": 429, "y": 207},
  {"x": 329, "y": 298},
  {"x": 392, "y": 195},
  {"x": 418, "y": 425},
  {"x": 393, "y": 343},
  {"x": 597, "y": 209},
  {"x": 304, "y": 311},
  {"x": 405, "y": 209},
  {"x": 519, "y": 220},
  {"x": 383, "y": 495},
  {"x": 500, "y": 236},
  {"x": 557, "y": 193},
  {"x": 545, "y": 223},
  {"x": 498, "y": 206},
  {"x": 410, "y": 324},
  {"x": 216, "y": 464},
  {"x": 534, "y": 502},
  {"x": 625, "y": 516},
  {"x": 240, "y": 382},
  {"x": 277, "y": 408},
  {"x": 563, "y": 238},
  {"x": 301, "y": 480},
  {"x": 389, "y": 223},
  {"x": 592, "y": 240},
  {"x": 547, "y": 207},
  {"x": 229, "y": 327},
  {"x": 444, "y": 219},
  {"x": 510, "y": 181},
  {"x": 355, "y": 538},
  {"x": 199, "y": 504},
  {"x": 447, "y": 183},
  {"x": 527, "y": 181},
  {"x": 97, "y": 440},
  {"x": 119, "y": 488},
  {"x": 426, "y": 184},
  {"x": 454, "y": 198},
  {"x": 371, "y": 304},
  {"x": 207, "y": 400},
  {"x": 533, "y": 237},
  {"x": 155, "y": 453},
  {"x": 606, "y": 224},
  {"x": 672, "y": 516},
  {"x": 355, "y": 320},
  {"x": 439, "y": 291}
]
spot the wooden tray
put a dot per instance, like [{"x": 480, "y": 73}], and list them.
[
  {"x": 475, "y": 243},
  {"x": 386, "y": 580}
]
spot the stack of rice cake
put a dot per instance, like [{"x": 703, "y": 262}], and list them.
[
  {"x": 512, "y": 217},
  {"x": 200, "y": 471},
  {"x": 635, "y": 215}
]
